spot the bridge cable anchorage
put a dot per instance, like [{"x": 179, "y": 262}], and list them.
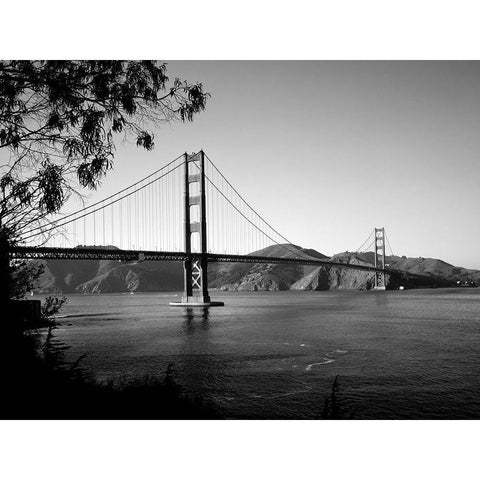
[
  {"x": 239, "y": 196},
  {"x": 108, "y": 198},
  {"x": 57, "y": 225}
]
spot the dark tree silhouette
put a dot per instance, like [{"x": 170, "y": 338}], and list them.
[
  {"x": 59, "y": 124},
  {"x": 60, "y": 120}
]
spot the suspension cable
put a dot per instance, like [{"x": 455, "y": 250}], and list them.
[
  {"x": 300, "y": 253},
  {"x": 106, "y": 205},
  {"x": 388, "y": 242},
  {"x": 246, "y": 203},
  {"x": 363, "y": 244},
  {"x": 105, "y": 199},
  {"x": 297, "y": 253}
]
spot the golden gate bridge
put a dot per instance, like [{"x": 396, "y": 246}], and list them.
[{"x": 185, "y": 211}]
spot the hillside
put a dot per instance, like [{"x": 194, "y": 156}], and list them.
[
  {"x": 417, "y": 265},
  {"x": 131, "y": 277},
  {"x": 263, "y": 277},
  {"x": 109, "y": 276},
  {"x": 334, "y": 278}
]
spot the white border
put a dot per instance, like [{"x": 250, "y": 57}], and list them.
[
  {"x": 251, "y": 29},
  {"x": 238, "y": 450},
  {"x": 244, "y": 30}
]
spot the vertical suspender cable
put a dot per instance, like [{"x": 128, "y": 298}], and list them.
[
  {"x": 129, "y": 215},
  {"x": 113, "y": 224},
  {"x": 103, "y": 224},
  {"x": 74, "y": 240},
  {"x": 120, "y": 222},
  {"x": 143, "y": 220},
  {"x": 136, "y": 219}
]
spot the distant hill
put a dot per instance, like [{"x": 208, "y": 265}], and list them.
[
  {"x": 232, "y": 276},
  {"x": 413, "y": 274},
  {"x": 419, "y": 266},
  {"x": 334, "y": 278},
  {"x": 146, "y": 276},
  {"x": 109, "y": 276},
  {"x": 102, "y": 276},
  {"x": 433, "y": 266}
]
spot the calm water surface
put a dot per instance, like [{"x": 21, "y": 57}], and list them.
[{"x": 409, "y": 354}]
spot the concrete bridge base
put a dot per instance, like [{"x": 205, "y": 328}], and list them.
[
  {"x": 196, "y": 304},
  {"x": 196, "y": 301}
]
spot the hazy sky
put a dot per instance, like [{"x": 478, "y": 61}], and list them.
[{"x": 326, "y": 151}]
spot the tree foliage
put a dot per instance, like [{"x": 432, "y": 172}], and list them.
[
  {"x": 23, "y": 276},
  {"x": 60, "y": 120}
]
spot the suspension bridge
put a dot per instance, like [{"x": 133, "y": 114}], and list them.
[{"x": 185, "y": 211}]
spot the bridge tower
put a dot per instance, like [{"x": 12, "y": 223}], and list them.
[
  {"x": 195, "y": 207},
  {"x": 380, "y": 258}
]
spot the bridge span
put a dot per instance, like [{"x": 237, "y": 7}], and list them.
[
  {"x": 81, "y": 253},
  {"x": 163, "y": 217}
]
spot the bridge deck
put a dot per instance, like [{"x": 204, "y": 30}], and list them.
[{"x": 141, "y": 255}]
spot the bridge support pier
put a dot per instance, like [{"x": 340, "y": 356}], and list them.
[
  {"x": 196, "y": 267},
  {"x": 380, "y": 258}
]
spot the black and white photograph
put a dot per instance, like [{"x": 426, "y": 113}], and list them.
[
  {"x": 315, "y": 268},
  {"x": 213, "y": 241}
]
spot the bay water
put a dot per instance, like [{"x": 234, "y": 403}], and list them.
[{"x": 411, "y": 354}]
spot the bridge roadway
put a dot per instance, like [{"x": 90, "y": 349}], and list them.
[{"x": 142, "y": 255}]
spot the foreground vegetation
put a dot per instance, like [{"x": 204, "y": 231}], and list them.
[
  {"x": 39, "y": 384},
  {"x": 60, "y": 122}
]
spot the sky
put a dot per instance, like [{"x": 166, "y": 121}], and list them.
[{"x": 326, "y": 151}]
